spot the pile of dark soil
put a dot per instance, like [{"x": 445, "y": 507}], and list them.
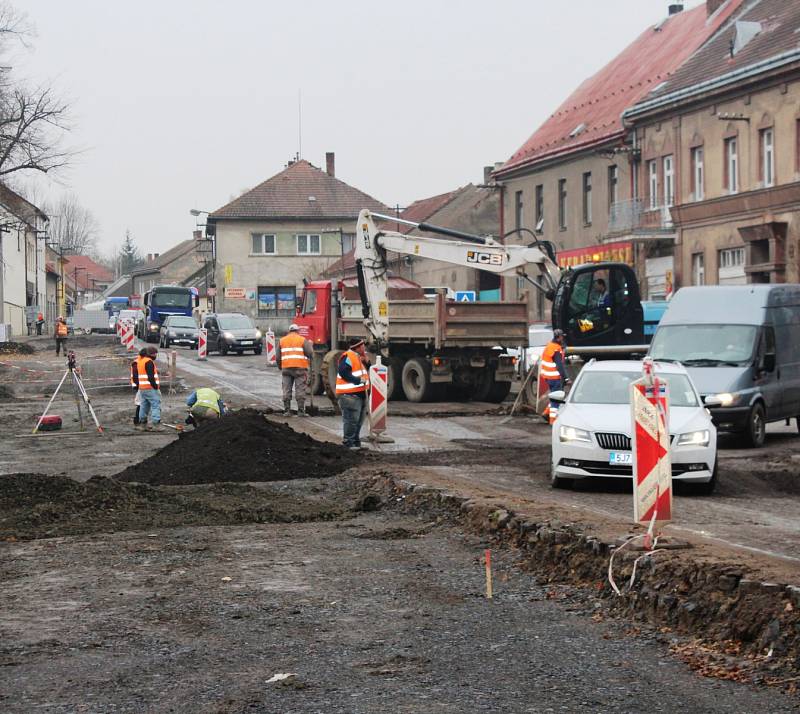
[
  {"x": 37, "y": 506},
  {"x": 15, "y": 348},
  {"x": 243, "y": 446}
]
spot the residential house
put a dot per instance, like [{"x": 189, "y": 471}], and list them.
[
  {"x": 85, "y": 279},
  {"x": 728, "y": 123},
  {"x": 22, "y": 260},
  {"x": 53, "y": 281},
  {"x": 187, "y": 264},
  {"x": 577, "y": 178},
  {"x": 289, "y": 228}
]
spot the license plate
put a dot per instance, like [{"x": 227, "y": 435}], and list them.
[
  {"x": 247, "y": 342},
  {"x": 620, "y": 457}
]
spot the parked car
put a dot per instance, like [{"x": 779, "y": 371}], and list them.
[
  {"x": 740, "y": 345},
  {"x": 592, "y": 434},
  {"x": 178, "y": 330},
  {"x": 232, "y": 332}
]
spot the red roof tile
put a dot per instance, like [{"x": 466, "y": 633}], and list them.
[
  {"x": 597, "y": 104},
  {"x": 88, "y": 272},
  {"x": 420, "y": 211},
  {"x": 301, "y": 190}
]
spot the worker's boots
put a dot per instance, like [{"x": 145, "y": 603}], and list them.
[
  {"x": 287, "y": 411},
  {"x": 301, "y": 410}
]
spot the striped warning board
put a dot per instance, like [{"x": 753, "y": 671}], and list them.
[
  {"x": 379, "y": 389},
  {"x": 652, "y": 468},
  {"x": 269, "y": 339},
  {"x": 202, "y": 343}
]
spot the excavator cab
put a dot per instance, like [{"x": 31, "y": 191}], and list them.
[{"x": 599, "y": 304}]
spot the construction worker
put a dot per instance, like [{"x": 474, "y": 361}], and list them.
[
  {"x": 553, "y": 370},
  {"x": 293, "y": 357},
  {"x": 205, "y": 404},
  {"x": 146, "y": 379},
  {"x": 61, "y": 335},
  {"x": 352, "y": 383},
  {"x": 39, "y": 323}
]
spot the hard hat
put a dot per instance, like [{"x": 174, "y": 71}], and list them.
[
  {"x": 558, "y": 333},
  {"x": 294, "y": 328}
]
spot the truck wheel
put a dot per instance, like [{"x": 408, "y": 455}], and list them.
[
  {"x": 756, "y": 432},
  {"x": 483, "y": 385},
  {"x": 330, "y": 367},
  {"x": 417, "y": 380},
  {"x": 498, "y": 392}
]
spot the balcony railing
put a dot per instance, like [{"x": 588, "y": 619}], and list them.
[{"x": 632, "y": 215}]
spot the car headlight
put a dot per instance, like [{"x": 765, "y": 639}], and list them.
[
  {"x": 228, "y": 336},
  {"x": 726, "y": 399},
  {"x": 570, "y": 433},
  {"x": 258, "y": 334},
  {"x": 154, "y": 326},
  {"x": 695, "y": 438}
]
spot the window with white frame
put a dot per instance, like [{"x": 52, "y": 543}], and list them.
[
  {"x": 308, "y": 244},
  {"x": 698, "y": 174},
  {"x": 731, "y": 267},
  {"x": 669, "y": 180},
  {"x": 652, "y": 179},
  {"x": 732, "y": 165},
  {"x": 698, "y": 269},
  {"x": 263, "y": 244},
  {"x": 731, "y": 258},
  {"x": 768, "y": 157}
]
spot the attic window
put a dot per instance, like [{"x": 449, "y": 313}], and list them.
[
  {"x": 577, "y": 130},
  {"x": 743, "y": 32},
  {"x": 312, "y": 198}
]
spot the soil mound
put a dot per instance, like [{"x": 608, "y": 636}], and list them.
[
  {"x": 243, "y": 446},
  {"x": 15, "y": 348}
]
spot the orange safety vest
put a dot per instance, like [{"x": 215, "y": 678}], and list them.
[
  {"x": 345, "y": 387},
  {"x": 292, "y": 354},
  {"x": 548, "y": 368},
  {"x": 61, "y": 329},
  {"x": 141, "y": 369}
]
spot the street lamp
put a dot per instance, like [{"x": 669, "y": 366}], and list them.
[{"x": 211, "y": 290}]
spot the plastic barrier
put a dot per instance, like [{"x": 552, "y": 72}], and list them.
[
  {"x": 127, "y": 337},
  {"x": 269, "y": 340},
  {"x": 202, "y": 343}
]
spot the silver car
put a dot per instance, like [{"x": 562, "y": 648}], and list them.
[
  {"x": 592, "y": 434},
  {"x": 178, "y": 330}
]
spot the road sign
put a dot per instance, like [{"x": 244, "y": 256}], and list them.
[
  {"x": 202, "y": 343},
  {"x": 465, "y": 296},
  {"x": 652, "y": 468}
]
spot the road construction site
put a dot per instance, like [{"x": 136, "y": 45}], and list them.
[{"x": 215, "y": 561}]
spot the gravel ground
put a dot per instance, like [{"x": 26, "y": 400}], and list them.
[{"x": 381, "y": 613}]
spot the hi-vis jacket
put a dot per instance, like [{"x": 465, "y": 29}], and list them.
[
  {"x": 145, "y": 374},
  {"x": 293, "y": 354},
  {"x": 358, "y": 371},
  {"x": 61, "y": 329},
  {"x": 206, "y": 397},
  {"x": 552, "y": 363}
]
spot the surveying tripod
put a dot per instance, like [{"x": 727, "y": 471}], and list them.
[{"x": 77, "y": 389}]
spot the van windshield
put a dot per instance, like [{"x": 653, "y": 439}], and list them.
[
  {"x": 705, "y": 345},
  {"x": 235, "y": 322}
]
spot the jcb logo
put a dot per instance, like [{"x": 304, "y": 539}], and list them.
[{"x": 477, "y": 256}]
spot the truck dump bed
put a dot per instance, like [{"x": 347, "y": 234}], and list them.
[{"x": 445, "y": 323}]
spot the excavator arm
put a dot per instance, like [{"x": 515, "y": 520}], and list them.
[{"x": 470, "y": 251}]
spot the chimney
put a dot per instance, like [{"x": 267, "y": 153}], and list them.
[
  {"x": 713, "y": 5},
  {"x": 155, "y": 256},
  {"x": 487, "y": 174},
  {"x": 197, "y": 235},
  {"x": 330, "y": 163},
  {"x": 149, "y": 257},
  {"x": 675, "y": 8}
]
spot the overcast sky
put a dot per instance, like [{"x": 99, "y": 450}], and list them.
[{"x": 183, "y": 104}]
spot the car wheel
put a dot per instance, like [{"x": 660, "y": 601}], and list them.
[
  {"x": 222, "y": 346},
  {"x": 704, "y": 489},
  {"x": 756, "y": 431},
  {"x": 166, "y": 343},
  {"x": 560, "y": 481},
  {"x": 258, "y": 350}
]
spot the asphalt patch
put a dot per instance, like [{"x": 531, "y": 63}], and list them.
[{"x": 243, "y": 446}]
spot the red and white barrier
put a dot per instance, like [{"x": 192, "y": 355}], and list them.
[
  {"x": 202, "y": 343},
  {"x": 652, "y": 468},
  {"x": 378, "y": 401},
  {"x": 269, "y": 342},
  {"x": 127, "y": 337}
]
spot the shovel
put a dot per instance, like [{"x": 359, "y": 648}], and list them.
[{"x": 518, "y": 400}]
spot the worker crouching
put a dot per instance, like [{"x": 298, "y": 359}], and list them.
[
  {"x": 204, "y": 404},
  {"x": 293, "y": 357},
  {"x": 352, "y": 384},
  {"x": 553, "y": 370}
]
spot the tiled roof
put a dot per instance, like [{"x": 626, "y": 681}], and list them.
[
  {"x": 22, "y": 209},
  {"x": 88, "y": 272},
  {"x": 420, "y": 211},
  {"x": 177, "y": 251},
  {"x": 780, "y": 32},
  {"x": 301, "y": 190},
  {"x": 592, "y": 113}
]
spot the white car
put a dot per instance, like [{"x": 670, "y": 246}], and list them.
[{"x": 592, "y": 434}]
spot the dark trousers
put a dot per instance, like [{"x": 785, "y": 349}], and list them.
[
  {"x": 354, "y": 409},
  {"x": 61, "y": 342}
]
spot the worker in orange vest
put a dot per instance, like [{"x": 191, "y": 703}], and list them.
[
  {"x": 61, "y": 335},
  {"x": 352, "y": 383},
  {"x": 293, "y": 358},
  {"x": 39, "y": 323},
  {"x": 552, "y": 369},
  {"x": 145, "y": 377}
]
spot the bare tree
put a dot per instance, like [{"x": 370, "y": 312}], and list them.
[
  {"x": 33, "y": 120},
  {"x": 72, "y": 226}
]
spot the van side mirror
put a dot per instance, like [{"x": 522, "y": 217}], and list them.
[
  {"x": 768, "y": 363},
  {"x": 558, "y": 396},
  {"x": 713, "y": 401}
]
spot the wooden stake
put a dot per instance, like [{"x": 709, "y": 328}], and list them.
[{"x": 487, "y": 557}]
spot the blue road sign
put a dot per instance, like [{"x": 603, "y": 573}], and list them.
[{"x": 465, "y": 296}]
